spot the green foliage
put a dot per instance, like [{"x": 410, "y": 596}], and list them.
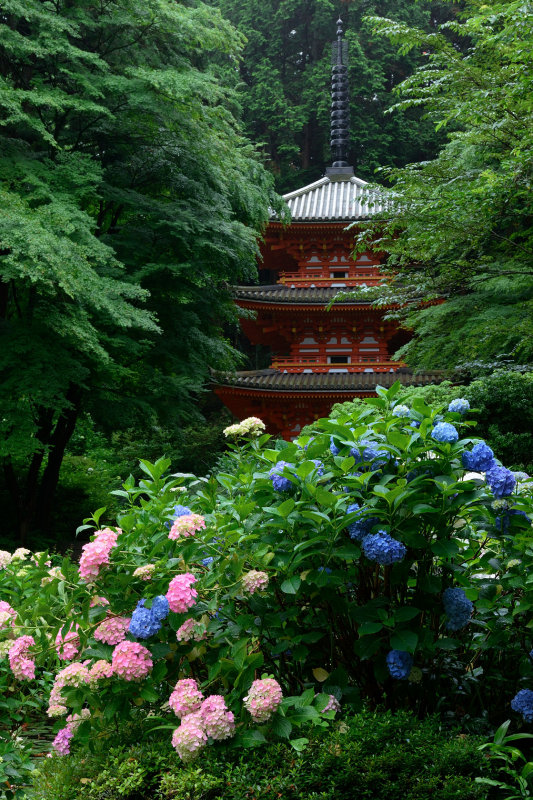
[
  {"x": 371, "y": 755},
  {"x": 286, "y": 78},
  {"x": 502, "y": 406},
  {"x": 131, "y": 201},
  {"x": 505, "y": 415},
  {"x": 461, "y": 228},
  {"x": 515, "y": 766},
  {"x": 329, "y": 615}
]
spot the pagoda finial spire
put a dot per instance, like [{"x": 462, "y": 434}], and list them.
[{"x": 340, "y": 103}]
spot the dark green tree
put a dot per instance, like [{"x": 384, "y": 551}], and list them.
[
  {"x": 286, "y": 73},
  {"x": 129, "y": 201},
  {"x": 462, "y": 227}
]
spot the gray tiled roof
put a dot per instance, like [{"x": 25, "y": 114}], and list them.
[
  {"x": 273, "y": 380},
  {"x": 333, "y": 200},
  {"x": 278, "y": 293}
]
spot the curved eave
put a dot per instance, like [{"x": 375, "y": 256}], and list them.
[
  {"x": 273, "y": 381},
  {"x": 296, "y": 307}
]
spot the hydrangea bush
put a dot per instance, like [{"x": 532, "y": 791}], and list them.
[{"x": 358, "y": 561}]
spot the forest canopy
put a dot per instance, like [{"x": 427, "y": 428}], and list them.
[{"x": 130, "y": 202}]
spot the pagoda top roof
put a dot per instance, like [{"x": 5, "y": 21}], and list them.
[
  {"x": 279, "y": 293},
  {"x": 273, "y": 380},
  {"x": 337, "y": 197}
]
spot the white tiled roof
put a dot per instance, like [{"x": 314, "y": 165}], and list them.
[{"x": 331, "y": 200}]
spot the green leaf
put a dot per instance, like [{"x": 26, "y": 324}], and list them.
[
  {"x": 285, "y": 508},
  {"x": 281, "y": 727},
  {"x": 406, "y": 613},
  {"x": 424, "y": 508},
  {"x": 404, "y": 640},
  {"x": 291, "y": 585},
  {"x": 446, "y": 548},
  {"x": 299, "y": 744},
  {"x": 368, "y": 628},
  {"x": 250, "y": 739}
]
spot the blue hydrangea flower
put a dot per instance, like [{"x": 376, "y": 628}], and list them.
[
  {"x": 400, "y": 411},
  {"x": 503, "y": 520},
  {"x": 501, "y": 481},
  {"x": 415, "y": 423},
  {"x": 531, "y": 654},
  {"x": 181, "y": 511},
  {"x": 160, "y": 607},
  {"x": 523, "y": 703},
  {"x": 360, "y": 527},
  {"x": 143, "y": 623},
  {"x": 479, "y": 459},
  {"x": 279, "y": 483},
  {"x": 444, "y": 432},
  {"x": 327, "y": 570},
  {"x": 400, "y": 664},
  {"x": 459, "y": 406},
  {"x": 366, "y": 451},
  {"x": 458, "y": 608},
  {"x": 333, "y": 447},
  {"x": 383, "y": 548},
  {"x": 207, "y": 561},
  {"x": 319, "y": 466}
]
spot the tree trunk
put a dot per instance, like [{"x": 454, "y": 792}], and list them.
[
  {"x": 33, "y": 494},
  {"x": 58, "y": 442}
]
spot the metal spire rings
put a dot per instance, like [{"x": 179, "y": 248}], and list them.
[{"x": 340, "y": 102}]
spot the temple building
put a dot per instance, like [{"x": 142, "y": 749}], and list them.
[{"x": 319, "y": 356}]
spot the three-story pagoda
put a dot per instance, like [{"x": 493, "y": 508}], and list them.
[{"x": 319, "y": 356}]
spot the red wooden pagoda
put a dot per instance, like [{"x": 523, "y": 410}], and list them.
[{"x": 319, "y": 357}]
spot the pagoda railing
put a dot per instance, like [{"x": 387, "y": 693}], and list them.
[
  {"x": 286, "y": 363},
  {"x": 298, "y": 279}
]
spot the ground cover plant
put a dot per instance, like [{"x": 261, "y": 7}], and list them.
[
  {"x": 382, "y": 558},
  {"x": 377, "y": 755}
]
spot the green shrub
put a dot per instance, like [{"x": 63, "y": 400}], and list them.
[
  {"x": 505, "y": 415},
  {"x": 329, "y": 612},
  {"x": 372, "y": 756},
  {"x": 503, "y": 404}
]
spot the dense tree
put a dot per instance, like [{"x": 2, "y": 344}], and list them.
[
  {"x": 286, "y": 73},
  {"x": 462, "y": 228},
  {"x": 130, "y": 200}
]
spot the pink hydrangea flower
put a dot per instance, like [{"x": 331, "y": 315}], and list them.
[
  {"x": 112, "y": 630},
  {"x": 185, "y": 698},
  {"x": 100, "y": 669},
  {"x": 333, "y": 704},
  {"x": 75, "y": 674},
  {"x": 219, "y": 723},
  {"x": 254, "y": 581},
  {"x": 263, "y": 699},
  {"x": 190, "y": 737},
  {"x": 131, "y": 661},
  {"x": 95, "y": 554},
  {"x": 74, "y": 720},
  {"x": 98, "y": 601},
  {"x": 61, "y": 743},
  {"x": 144, "y": 573},
  {"x": 68, "y": 646},
  {"x": 191, "y": 629},
  {"x": 180, "y": 595},
  {"x": 21, "y": 665},
  {"x": 187, "y": 525},
  {"x": 7, "y": 615}
]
